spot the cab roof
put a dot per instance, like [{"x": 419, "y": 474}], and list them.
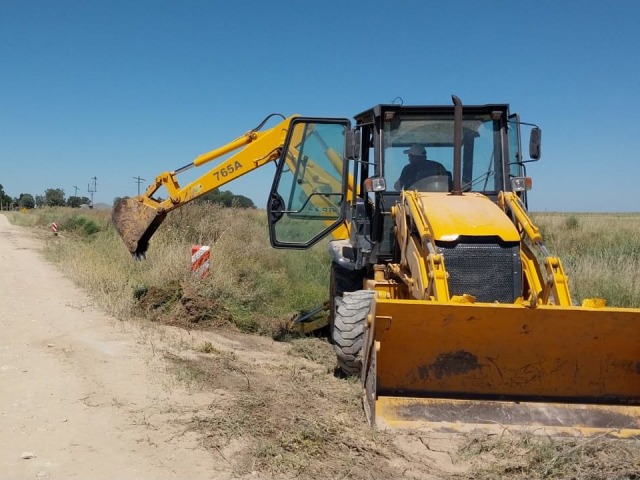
[{"x": 369, "y": 116}]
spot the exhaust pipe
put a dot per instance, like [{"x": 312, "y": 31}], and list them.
[{"x": 457, "y": 145}]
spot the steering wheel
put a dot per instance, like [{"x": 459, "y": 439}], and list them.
[{"x": 432, "y": 183}]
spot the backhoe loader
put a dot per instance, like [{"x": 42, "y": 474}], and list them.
[{"x": 444, "y": 297}]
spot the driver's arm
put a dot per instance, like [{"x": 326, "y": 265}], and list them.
[{"x": 401, "y": 180}]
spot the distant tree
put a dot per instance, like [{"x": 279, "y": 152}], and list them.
[
  {"x": 54, "y": 197},
  {"x": 5, "y": 200},
  {"x": 75, "y": 202},
  {"x": 227, "y": 199},
  {"x": 117, "y": 200},
  {"x": 26, "y": 200},
  {"x": 39, "y": 201}
]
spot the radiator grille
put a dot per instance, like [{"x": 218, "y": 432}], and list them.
[{"x": 489, "y": 271}]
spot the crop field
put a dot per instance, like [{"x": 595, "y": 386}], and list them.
[{"x": 277, "y": 407}]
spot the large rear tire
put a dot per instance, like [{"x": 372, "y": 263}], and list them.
[
  {"x": 348, "y": 329},
  {"x": 341, "y": 281}
]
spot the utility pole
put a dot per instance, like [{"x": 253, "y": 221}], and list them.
[
  {"x": 92, "y": 188},
  {"x": 139, "y": 181},
  {"x": 77, "y": 188}
]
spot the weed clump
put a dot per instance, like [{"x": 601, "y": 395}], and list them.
[
  {"x": 572, "y": 222},
  {"x": 208, "y": 347},
  {"x": 177, "y": 304}
]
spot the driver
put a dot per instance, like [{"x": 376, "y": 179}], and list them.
[{"x": 418, "y": 168}]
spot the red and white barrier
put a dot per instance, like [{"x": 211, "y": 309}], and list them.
[
  {"x": 200, "y": 255},
  {"x": 54, "y": 228}
]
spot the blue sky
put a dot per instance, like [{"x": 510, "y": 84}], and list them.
[{"x": 120, "y": 89}]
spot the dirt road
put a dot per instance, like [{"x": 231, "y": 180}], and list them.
[{"x": 81, "y": 394}]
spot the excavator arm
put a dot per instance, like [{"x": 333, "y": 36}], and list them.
[
  {"x": 136, "y": 219},
  {"x": 259, "y": 149}
]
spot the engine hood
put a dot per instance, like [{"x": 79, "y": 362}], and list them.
[{"x": 471, "y": 214}]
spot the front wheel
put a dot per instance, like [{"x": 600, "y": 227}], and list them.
[{"x": 347, "y": 333}]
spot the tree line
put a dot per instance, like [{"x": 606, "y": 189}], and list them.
[
  {"x": 52, "y": 197},
  {"x": 222, "y": 197}
]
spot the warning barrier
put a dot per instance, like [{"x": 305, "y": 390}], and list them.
[
  {"x": 200, "y": 255},
  {"x": 54, "y": 228}
]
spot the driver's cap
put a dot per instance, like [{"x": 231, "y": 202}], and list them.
[{"x": 417, "y": 150}]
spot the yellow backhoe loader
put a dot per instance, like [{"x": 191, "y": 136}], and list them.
[{"x": 444, "y": 298}]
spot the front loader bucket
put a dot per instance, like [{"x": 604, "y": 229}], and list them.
[
  {"x": 136, "y": 222},
  {"x": 459, "y": 367}
]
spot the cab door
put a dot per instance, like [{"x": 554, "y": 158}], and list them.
[
  {"x": 307, "y": 199},
  {"x": 516, "y": 167}
]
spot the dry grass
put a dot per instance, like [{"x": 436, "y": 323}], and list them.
[
  {"x": 261, "y": 289},
  {"x": 530, "y": 457},
  {"x": 252, "y": 280},
  {"x": 282, "y": 416}
]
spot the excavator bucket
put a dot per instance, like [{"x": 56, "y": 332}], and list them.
[
  {"x": 136, "y": 222},
  {"x": 462, "y": 367}
]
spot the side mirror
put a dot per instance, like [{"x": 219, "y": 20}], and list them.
[
  {"x": 352, "y": 144},
  {"x": 535, "y": 143},
  {"x": 276, "y": 207}
]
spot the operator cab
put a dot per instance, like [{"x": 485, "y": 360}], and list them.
[
  {"x": 335, "y": 178},
  {"x": 490, "y": 156},
  {"x": 395, "y": 130}
]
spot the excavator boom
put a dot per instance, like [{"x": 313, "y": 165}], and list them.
[{"x": 136, "y": 219}]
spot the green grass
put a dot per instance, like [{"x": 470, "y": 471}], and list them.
[{"x": 80, "y": 224}]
